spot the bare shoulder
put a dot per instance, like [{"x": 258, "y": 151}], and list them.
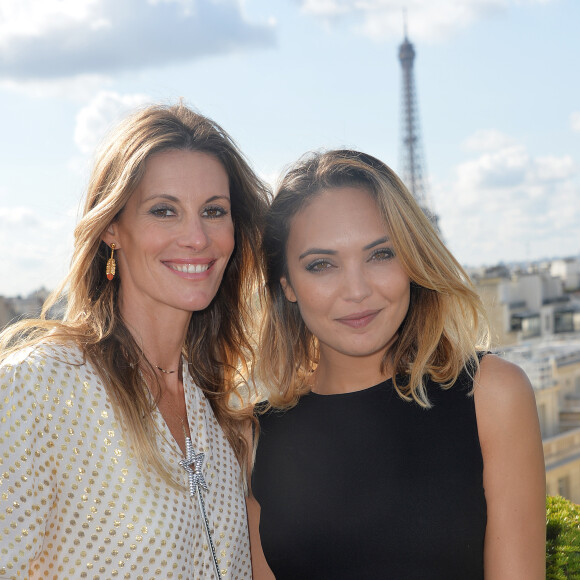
[
  {"x": 502, "y": 381},
  {"x": 504, "y": 400},
  {"x": 505, "y": 404}
]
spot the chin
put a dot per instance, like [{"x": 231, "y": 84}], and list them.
[
  {"x": 361, "y": 352},
  {"x": 198, "y": 305}
]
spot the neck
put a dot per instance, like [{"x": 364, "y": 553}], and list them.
[
  {"x": 160, "y": 336},
  {"x": 337, "y": 373}
]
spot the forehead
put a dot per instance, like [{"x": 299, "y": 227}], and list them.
[
  {"x": 343, "y": 214},
  {"x": 179, "y": 167}
]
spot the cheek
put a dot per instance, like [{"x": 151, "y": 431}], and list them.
[
  {"x": 312, "y": 317},
  {"x": 405, "y": 289},
  {"x": 230, "y": 245},
  {"x": 405, "y": 297},
  {"x": 313, "y": 304},
  {"x": 225, "y": 238},
  {"x": 395, "y": 282},
  {"x": 396, "y": 290}
]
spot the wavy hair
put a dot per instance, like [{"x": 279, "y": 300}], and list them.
[
  {"x": 219, "y": 338},
  {"x": 445, "y": 325}
]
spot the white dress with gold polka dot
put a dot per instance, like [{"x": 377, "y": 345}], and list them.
[{"x": 74, "y": 502}]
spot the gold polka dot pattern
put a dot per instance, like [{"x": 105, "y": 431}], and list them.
[{"x": 74, "y": 502}]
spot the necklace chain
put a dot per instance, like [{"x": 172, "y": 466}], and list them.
[
  {"x": 165, "y": 370},
  {"x": 183, "y": 422}
]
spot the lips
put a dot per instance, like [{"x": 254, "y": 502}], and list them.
[{"x": 359, "y": 319}]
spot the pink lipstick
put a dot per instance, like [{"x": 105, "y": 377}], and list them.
[{"x": 359, "y": 319}]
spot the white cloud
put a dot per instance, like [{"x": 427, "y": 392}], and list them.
[
  {"x": 575, "y": 121},
  {"x": 503, "y": 168},
  {"x": 428, "y": 19},
  {"x": 43, "y": 39},
  {"x": 104, "y": 110},
  {"x": 18, "y": 217},
  {"x": 79, "y": 89},
  {"x": 39, "y": 252},
  {"x": 33, "y": 18},
  {"x": 327, "y": 8},
  {"x": 510, "y": 205},
  {"x": 488, "y": 140},
  {"x": 552, "y": 168}
]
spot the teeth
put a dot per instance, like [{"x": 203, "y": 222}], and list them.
[{"x": 190, "y": 268}]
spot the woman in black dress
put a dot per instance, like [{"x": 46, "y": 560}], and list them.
[{"x": 391, "y": 446}]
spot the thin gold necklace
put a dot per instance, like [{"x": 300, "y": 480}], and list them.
[
  {"x": 164, "y": 370},
  {"x": 184, "y": 421}
]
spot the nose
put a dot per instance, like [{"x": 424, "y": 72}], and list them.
[
  {"x": 193, "y": 234},
  {"x": 356, "y": 287}
]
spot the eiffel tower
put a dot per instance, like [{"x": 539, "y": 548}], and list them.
[{"x": 412, "y": 161}]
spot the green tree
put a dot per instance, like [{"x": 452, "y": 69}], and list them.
[{"x": 562, "y": 539}]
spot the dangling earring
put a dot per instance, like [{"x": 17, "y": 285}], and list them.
[{"x": 111, "y": 265}]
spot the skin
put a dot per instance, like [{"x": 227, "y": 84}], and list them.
[
  {"x": 514, "y": 472},
  {"x": 351, "y": 289},
  {"x": 173, "y": 241},
  {"x": 332, "y": 234}
]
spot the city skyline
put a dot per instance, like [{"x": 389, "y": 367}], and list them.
[{"x": 498, "y": 103}]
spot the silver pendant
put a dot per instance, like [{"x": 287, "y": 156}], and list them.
[{"x": 192, "y": 465}]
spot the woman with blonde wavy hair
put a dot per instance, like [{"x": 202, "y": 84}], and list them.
[
  {"x": 121, "y": 442},
  {"x": 392, "y": 444}
]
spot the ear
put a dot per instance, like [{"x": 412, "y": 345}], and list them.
[
  {"x": 288, "y": 292},
  {"x": 109, "y": 236}
]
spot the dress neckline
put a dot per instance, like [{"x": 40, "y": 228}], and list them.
[{"x": 359, "y": 392}]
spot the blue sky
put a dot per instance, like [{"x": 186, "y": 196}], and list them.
[{"x": 497, "y": 82}]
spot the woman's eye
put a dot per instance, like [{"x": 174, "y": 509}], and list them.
[
  {"x": 214, "y": 212},
  {"x": 382, "y": 254},
  {"x": 318, "y": 266},
  {"x": 162, "y": 211}
]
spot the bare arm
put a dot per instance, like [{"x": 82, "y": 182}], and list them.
[
  {"x": 514, "y": 473},
  {"x": 260, "y": 568}
]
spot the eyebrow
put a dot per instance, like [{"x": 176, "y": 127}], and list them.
[
  {"x": 316, "y": 251},
  {"x": 378, "y": 242},
  {"x": 174, "y": 199}
]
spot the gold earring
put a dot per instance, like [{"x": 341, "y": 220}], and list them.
[{"x": 111, "y": 265}]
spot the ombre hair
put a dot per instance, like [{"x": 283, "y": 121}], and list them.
[
  {"x": 445, "y": 326},
  {"x": 219, "y": 338}
]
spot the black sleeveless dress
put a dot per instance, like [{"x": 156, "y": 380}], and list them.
[{"x": 366, "y": 485}]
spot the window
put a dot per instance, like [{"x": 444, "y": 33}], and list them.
[
  {"x": 563, "y": 322},
  {"x": 564, "y": 486}
]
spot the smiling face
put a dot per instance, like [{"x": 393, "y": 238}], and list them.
[
  {"x": 352, "y": 292},
  {"x": 175, "y": 235}
]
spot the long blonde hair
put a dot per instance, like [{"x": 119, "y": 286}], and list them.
[
  {"x": 445, "y": 325},
  {"x": 219, "y": 338}
]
